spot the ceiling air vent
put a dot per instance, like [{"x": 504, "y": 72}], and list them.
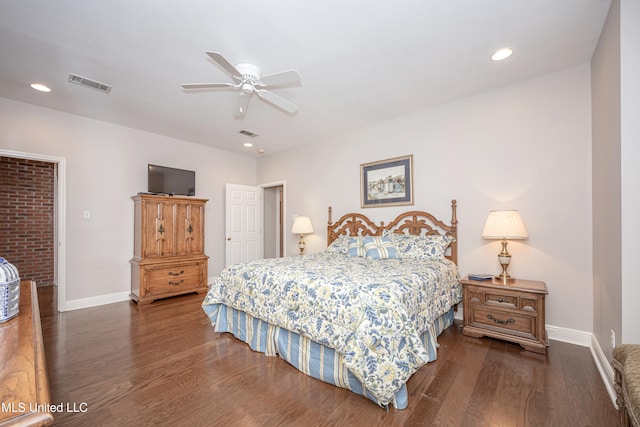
[
  {"x": 248, "y": 133},
  {"x": 83, "y": 81}
]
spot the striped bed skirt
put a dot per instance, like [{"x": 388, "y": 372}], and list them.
[{"x": 309, "y": 357}]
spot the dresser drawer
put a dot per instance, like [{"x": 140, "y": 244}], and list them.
[
  {"x": 167, "y": 279},
  {"x": 511, "y": 322}
]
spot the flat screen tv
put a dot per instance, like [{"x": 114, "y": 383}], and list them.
[{"x": 165, "y": 180}]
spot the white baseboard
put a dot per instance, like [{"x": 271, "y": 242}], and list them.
[
  {"x": 570, "y": 336},
  {"x": 105, "y": 299},
  {"x": 77, "y": 304},
  {"x": 605, "y": 369}
]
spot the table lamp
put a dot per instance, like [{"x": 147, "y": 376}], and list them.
[
  {"x": 504, "y": 225},
  {"x": 302, "y": 226}
]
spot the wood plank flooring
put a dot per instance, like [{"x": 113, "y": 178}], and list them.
[{"x": 121, "y": 364}]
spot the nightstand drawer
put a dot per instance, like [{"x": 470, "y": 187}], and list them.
[
  {"x": 510, "y": 322},
  {"x": 510, "y": 301},
  {"x": 504, "y": 298}
]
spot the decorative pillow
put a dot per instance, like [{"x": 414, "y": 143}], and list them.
[
  {"x": 420, "y": 247},
  {"x": 355, "y": 247},
  {"x": 379, "y": 248},
  {"x": 426, "y": 247},
  {"x": 340, "y": 245}
]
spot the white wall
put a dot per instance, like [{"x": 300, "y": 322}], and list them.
[
  {"x": 630, "y": 136},
  {"x": 106, "y": 165},
  {"x": 607, "y": 227},
  {"x": 526, "y": 147}
]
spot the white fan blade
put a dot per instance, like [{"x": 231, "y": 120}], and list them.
[
  {"x": 278, "y": 101},
  {"x": 281, "y": 78},
  {"x": 242, "y": 104},
  {"x": 207, "y": 85},
  {"x": 226, "y": 65}
]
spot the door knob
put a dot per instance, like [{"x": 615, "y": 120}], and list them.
[{"x": 228, "y": 238}]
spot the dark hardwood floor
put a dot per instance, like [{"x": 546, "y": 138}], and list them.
[{"x": 162, "y": 364}]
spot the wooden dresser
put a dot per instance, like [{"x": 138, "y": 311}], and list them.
[
  {"x": 514, "y": 311},
  {"x": 168, "y": 256},
  {"x": 24, "y": 388}
]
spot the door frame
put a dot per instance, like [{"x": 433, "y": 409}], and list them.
[
  {"x": 282, "y": 184},
  {"x": 60, "y": 219}
]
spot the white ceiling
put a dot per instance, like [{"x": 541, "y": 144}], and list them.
[{"x": 361, "y": 61}]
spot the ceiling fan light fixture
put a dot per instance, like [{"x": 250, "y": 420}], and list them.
[
  {"x": 501, "y": 54},
  {"x": 247, "y": 88}
]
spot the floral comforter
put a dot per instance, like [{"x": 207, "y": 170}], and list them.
[{"x": 371, "y": 311}]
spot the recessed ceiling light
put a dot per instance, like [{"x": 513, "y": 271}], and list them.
[
  {"x": 501, "y": 54},
  {"x": 40, "y": 87},
  {"x": 248, "y": 144}
]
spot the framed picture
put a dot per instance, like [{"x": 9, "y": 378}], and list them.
[{"x": 387, "y": 182}]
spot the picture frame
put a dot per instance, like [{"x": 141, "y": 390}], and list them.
[{"x": 387, "y": 182}]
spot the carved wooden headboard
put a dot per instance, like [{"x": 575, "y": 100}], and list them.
[{"x": 413, "y": 222}]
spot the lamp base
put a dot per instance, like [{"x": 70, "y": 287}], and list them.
[
  {"x": 504, "y": 258},
  {"x": 504, "y": 278}
]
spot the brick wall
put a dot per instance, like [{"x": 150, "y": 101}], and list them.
[{"x": 27, "y": 217}]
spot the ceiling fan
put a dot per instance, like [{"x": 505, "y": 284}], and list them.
[{"x": 249, "y": 82}]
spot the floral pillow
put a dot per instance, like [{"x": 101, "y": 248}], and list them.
[
  {"x": 420, "y": 247},
  {"x": 340, "y": 245},
  {"x": 379, "y": 248}
]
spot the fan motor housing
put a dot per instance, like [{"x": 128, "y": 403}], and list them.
[{"x": 249, "y": 71}]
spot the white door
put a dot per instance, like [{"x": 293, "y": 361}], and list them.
[{"x": 244, "y": 223}]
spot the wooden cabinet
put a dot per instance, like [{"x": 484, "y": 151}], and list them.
[
  {"x": 514, "y": 311},
  {"x": 168, "y": 255}
]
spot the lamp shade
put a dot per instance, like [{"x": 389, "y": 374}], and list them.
[
  {"x": 504, "y": 225},
  {"x": 302, "y": 225}
]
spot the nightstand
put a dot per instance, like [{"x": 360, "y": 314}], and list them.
[{"x": 512, "y": 312}]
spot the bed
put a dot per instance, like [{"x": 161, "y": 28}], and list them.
[{"x": 364, "y": 314}]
